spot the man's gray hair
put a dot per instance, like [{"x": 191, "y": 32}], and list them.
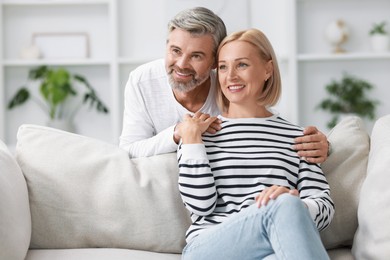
[{"x": 200, "y": 21}]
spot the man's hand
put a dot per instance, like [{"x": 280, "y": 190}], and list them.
[
  {"x": 192, "y": 127},
  {"x": 215, "y": 126},
  {"x": 313, "y": 145}
]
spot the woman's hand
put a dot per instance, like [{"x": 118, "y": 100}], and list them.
[
  {"x": 272, "y": 193},
  {"x": 313, "y": 145},
  {"x": 192, "y": 127}
]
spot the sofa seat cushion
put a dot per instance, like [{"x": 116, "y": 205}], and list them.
[
  {"x": 97, "y": 254},
  {"x": 343, "y": 253},
  {"x": 345, "y": 170},
  {"x": 87, "y": 193},
  {"x": 15, "y": 219},
  {"x": 372, "y": 240}
]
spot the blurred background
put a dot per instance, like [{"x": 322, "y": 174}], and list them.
[{"x": 325, "y": 50}]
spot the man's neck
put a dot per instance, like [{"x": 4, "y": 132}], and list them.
[{"x": 194, "y": 99}]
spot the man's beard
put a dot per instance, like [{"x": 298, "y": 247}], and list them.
[{"x": 188, "y": 86}]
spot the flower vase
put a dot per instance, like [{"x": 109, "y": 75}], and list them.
[{"x": 380, "y": 42}]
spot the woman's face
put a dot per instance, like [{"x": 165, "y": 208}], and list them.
[{"x": 241, "y": 72}]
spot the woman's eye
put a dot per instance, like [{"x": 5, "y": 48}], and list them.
[
  {"x": 242, "y": 65},
  {"x": 222, "y": 67}
]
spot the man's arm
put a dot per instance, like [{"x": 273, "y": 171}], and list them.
[
  {"x": 139, "y": 137},
  {"x": 314, "y": 145}
]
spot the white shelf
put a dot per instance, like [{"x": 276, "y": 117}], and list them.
[
  {"x": 344, "y": 56},
  {"x": 316, "y": 66},
  {"x": 53, "y": 2},
  {"x": 73, "y": 62},
  {"x": 135, "y": 61}
]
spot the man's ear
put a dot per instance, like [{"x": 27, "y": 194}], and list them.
[{"x": 215, "y": 65}]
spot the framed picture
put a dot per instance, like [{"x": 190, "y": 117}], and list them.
[{"x": 62, "y": 45}]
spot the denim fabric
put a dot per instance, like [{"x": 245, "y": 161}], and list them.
[{"x": 283, "y": 229}]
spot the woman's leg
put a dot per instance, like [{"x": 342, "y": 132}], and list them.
[
  {"x": 283, "y": 228},
  {"x": 291, "y": 230}
]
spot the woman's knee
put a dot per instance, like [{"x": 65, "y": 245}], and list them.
[{"x": 289, "y": 204}]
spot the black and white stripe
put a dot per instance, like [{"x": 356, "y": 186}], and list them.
[{"x": 223, "y": 175}]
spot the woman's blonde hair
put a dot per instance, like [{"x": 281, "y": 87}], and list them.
[{"x": 273, "y": 86}]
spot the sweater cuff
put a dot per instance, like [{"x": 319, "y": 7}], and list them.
[
  {"x": 193, "y": 152},
  {"x": 312, "y": 207},
  {"x": 168, "y": 133}
]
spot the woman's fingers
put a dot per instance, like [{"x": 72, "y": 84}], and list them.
[{"x": 272, "y": 193}]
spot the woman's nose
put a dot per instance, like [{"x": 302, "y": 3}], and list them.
[{"x": 232, "y": 73}]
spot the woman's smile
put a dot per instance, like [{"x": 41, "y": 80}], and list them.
[{"x": 236, "y": 88}]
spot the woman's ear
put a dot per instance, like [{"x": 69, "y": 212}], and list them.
[{"x": 269, "y": 69}]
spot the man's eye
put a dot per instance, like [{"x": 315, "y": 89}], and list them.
[
  {"x": 196, "y": 57},
  {"x": 176, "y": 51}
]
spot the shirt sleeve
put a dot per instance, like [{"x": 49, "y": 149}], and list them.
[
  {"x": 139, "y": 136},
  {"x": 196, "y": 181},
  {"x": 314, "y": 191}
]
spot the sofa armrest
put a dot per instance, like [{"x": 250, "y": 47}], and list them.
[{"x": 15, "y": 218}]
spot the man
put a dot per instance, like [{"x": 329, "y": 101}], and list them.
[{"x": 158, "y": 94}]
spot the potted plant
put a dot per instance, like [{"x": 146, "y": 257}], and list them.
[
  {"x": 57, "y": 87},
  {"x": 348, "y": 96},
  {"x": 379, "y": 37}
]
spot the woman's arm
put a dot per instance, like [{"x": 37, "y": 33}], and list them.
[
  {"x": 314, "y": 190},
  {"x": 196, "y": 181}
]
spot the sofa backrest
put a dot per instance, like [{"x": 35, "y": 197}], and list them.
[
  {"x": 345, "y": 170},
  {"x": 87, "y": 193}
]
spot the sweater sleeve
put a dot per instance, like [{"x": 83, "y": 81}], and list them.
[
  {"x": 196, "y": 181},
  {"x": 139, "y": 136},
  {"x": 314, "y": 190}
]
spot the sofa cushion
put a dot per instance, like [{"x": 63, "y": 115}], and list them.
[
  {"x": 15, "y": 219},
  {"x": 345, "y": 170},
  {"x": 97, "y": 254},
  {"x": 373, "y": 236},
  {"x": 88, "y": 193}
]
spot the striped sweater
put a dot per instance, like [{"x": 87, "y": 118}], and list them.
[{"x": 223, "y": 175}]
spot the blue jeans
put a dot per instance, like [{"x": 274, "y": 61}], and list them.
[{"x": 283, "y": 229}]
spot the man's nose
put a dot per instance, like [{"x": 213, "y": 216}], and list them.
[{"x": 182, "y": 61}]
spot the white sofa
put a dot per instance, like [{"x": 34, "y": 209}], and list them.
[{"x": 66, "y": 196}]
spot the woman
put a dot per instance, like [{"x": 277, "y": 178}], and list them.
[{"x": 249, "y": 194}]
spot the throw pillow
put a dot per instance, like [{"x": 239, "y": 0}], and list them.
[
  {"x": 88, "y": 193},
  {"x": 345, "y": 170},
  {"x": 372, "y": 238}
]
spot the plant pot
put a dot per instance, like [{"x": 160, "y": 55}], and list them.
[
  {"x": 380, "y": 42},
  {"x": 62, "y": 124}
]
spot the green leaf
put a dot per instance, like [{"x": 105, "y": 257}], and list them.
[
  {"x": 348, "y": 95},
  {"x": 55, "y": 87},
  {"x": 20, "y": 98}
]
